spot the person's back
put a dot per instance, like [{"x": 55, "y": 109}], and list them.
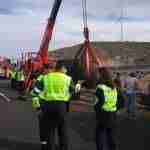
[
  {"x": 57, "y": 84},
  {"x": 130, "y": 84},
  {"x": 130, "y": 91},
  {"x": 13, "y": 78},
  {"x": 108, "y": 102},
  {"x": 53, "y": 95}
]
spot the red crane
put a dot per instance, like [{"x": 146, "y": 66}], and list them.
[
  {"x": 42, "y": 57},
  {"x": 89, "y": 58}
]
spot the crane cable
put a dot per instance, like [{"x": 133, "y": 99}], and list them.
[
  {"x": 84, "y": 8},
  {"x": 86, "y": 31}
]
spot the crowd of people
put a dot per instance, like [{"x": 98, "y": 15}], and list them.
[
  {"x": 51, "y": 94},
  {"x": 136, "y": 89}
]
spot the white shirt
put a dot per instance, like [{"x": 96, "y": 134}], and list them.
[{"x": 130, "y": 83}]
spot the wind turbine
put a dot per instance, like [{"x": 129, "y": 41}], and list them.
[{"x": 121, "y": 21}]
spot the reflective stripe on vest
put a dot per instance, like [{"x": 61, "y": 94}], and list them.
[
  {"x": 56, "y": 87},
  {"x": 110, "y": 98}
]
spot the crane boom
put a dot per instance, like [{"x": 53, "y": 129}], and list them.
[
  {"x": 43, "y": 51},
  {"x": 42, "y": 55}
]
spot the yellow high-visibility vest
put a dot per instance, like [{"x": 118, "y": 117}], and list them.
[
  {"x": 110, "y": 104},
  {"x": 20, "y": 76},
  {"x": 56, "y": 87},
  {"x": 13, "y": 74}
]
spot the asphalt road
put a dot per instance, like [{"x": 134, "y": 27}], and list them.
[{"x": 19, "y": 127}]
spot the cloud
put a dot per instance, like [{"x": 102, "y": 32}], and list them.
[
  {"x": 23, "y": 22},
  {"x": 5, "y": 11}
]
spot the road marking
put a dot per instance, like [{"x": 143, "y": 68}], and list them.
[{"x": 5, "y": 97}]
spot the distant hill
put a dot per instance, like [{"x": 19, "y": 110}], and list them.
[{"x": 120, "y": 52}]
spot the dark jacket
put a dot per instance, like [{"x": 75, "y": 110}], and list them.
[{"x": 107, "y": 119}]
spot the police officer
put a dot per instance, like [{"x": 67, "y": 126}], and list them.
[
  {"x": 108, "y": 101},
  {"x": 20, "y": 80},
  {"x": 13, "y": 78},
  {"x": 51, "y": 96},
  {"x": 38, "y": 77}
]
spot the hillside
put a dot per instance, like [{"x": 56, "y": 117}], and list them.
[{"x": 120, "y": 52}]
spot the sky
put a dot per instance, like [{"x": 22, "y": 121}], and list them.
[{"x": 22, "y": 23}]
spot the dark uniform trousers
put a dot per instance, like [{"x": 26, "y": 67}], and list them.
[
  {"x": 106, "y": 125},
  {"x": 53, "y": 118}
]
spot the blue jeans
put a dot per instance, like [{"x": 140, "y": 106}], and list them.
[{"x": 131, "y": 103}]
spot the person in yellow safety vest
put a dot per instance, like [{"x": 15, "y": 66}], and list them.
[
  {"x": 13, "y": 78},
  {"x": 51, "y": 96},
  {"x": 19, "y": 75},
  {"x": 39, "y": 79},
  {"x": 38, "y": 75},
  {"x": 20, "y": 80},
  {"x": 108, "y": 102}
]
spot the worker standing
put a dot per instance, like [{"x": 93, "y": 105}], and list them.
[
  {"x": 20, "y": 77},
  {"x": 53, "y": 94},
  {"x": 13, "y": 78},
  {"x": 39, "y": 80},
  {"x": 130, "y": 87},
  {"x": 108, "y": 101}
]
